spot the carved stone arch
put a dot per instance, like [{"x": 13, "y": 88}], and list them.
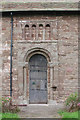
[
  {"x": 49, "y": 73},
  {"x": 34, "y": 51}
]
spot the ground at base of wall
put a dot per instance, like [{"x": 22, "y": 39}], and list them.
[{"x": 40, "y": 111}]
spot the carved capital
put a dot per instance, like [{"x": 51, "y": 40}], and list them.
[
  {"x": 26, "y": 64},
  {"x": 50, "y": 65}
]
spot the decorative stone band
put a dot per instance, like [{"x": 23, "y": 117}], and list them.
[{"x": 38, "y": 6}]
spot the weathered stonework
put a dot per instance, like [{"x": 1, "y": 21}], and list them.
[
  {"x": 69, "y": 5},
  {"x": 61, "y": 52}
]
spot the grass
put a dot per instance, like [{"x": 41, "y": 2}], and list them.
[
  {"x": 67, "y": 115},
  {"x": 9, "y": 115}
]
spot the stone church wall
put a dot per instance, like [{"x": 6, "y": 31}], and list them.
[{"x": 62, "y": 48}]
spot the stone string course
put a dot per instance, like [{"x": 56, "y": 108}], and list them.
[{"x": 38, "y": 6}]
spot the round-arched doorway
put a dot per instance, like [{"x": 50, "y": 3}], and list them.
[{"x": 38, "y": 79}]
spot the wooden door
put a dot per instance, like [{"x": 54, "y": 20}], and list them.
[{"x": 38, "y": 79}]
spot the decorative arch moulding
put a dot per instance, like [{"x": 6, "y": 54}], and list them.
[{"x": 33, "y": 51}]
